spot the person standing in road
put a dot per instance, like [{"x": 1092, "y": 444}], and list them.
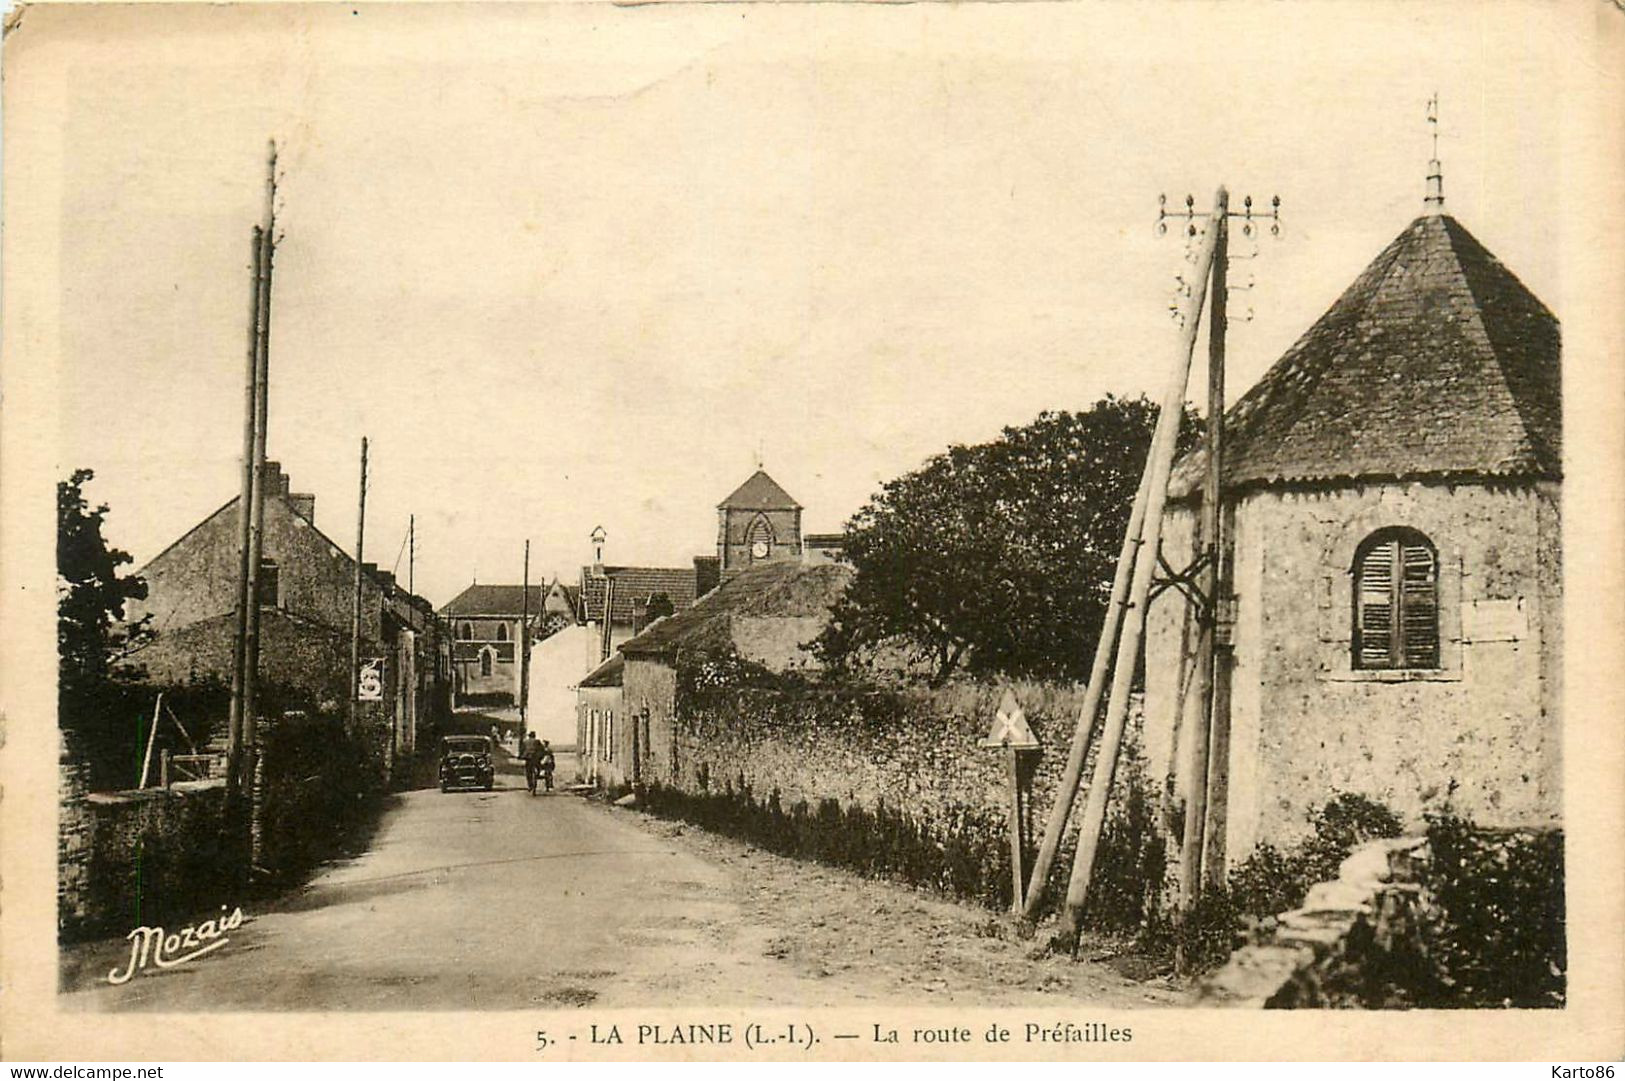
[
  {"x": 531, "y": 750},
  {"x": 547, "y": 764}
]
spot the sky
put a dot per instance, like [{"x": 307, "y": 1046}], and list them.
[{"x": 573, "y": 265}]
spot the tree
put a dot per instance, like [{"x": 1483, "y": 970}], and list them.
[
  {"x": 998, "y": 557},
  {"x": 91, "y": 635},
  {"x": 660, "y": 606}
]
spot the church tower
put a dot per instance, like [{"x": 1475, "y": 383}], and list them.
[{"x": 758, "y": 523}]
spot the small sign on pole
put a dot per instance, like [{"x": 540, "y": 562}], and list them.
[
  {"x": 1011, "y": 732},
  {"x": 370, "y": 684}
]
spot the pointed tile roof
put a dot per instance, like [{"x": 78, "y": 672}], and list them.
[
  {"x": 1436, "y": 362},
  {"x": 760, "y": 492}
]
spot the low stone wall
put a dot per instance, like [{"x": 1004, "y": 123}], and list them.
[
  {"x": 146, "y": 856},
  {"x": 1460, "y": 918},
  {"x": 141, "y": 857},
  {"x": 1372, "y": 905},
  {"x": 894, "y": 782}
]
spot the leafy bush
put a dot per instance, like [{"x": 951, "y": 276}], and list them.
[
  {"x": 1270, "y": 881},
  {"x": 1495, "y": 931}
]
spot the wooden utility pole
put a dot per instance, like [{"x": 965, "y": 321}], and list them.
[
  {"x": 523, "y": 644},
  {"x": 411, "y": 553},
  {"x": 1159, "y": 463},
  {"x": 256, "y": 532},
  {"x": 245, "y": 503},
  {"x": 1217, "y": 541},
  {"x": 1192, "y": 843},
  {"x": 245, "y": 639},
  {"x": 355, "y": 612}
]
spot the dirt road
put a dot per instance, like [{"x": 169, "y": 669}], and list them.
[{"x": 501, "y": 900}]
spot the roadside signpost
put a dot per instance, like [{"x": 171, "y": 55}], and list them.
[{"x": 1011, "y": 732}]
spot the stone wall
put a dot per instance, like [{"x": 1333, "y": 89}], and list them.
[
  {"x": 733, "y": 536},
  {"x": 141, "y": 857},
  {"x": 902, "y": 764},
  {"x": 308, "y": 657},
  {"x": 1374, "y": 905},
  {"x": 1481, "y": 733},
  {"x": 777, "y": 642}
]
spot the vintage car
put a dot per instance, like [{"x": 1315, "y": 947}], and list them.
[{"x": 465, "y": 762}]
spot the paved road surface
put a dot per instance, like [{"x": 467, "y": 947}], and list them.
[
  {"x": 501, "y": 900},
  {"x": 476, "y": 900}
]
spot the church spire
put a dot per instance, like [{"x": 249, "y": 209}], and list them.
[{"x": 1435, "y": 197}]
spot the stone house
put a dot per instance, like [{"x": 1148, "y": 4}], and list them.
[
  {"x": 599, "y": 715},
  {"x": 306, "y": 597},
  {"x": 485, "y": 623},
  {"x": 1391, "y": 488},
  {"x": 764, "y": 614}
]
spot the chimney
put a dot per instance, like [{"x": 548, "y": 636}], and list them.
[
  {"x": 276, "y": 481},
  {"x": 598, "y": 538},
  {"x": 707, "y": 573},
  {"x": 386, "y": 579},
  {"x": 304, "y": 504}
]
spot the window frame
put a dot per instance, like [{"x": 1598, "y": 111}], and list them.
[
  {"x": 274, "y": 600},
  {"x": 1404, "y": 653}
]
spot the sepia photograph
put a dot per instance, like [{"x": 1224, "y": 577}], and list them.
[{"x": 710, "y": 530}]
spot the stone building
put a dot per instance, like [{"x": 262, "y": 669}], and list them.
[
  {"x": 306, "y": 597},
  {"x": 486, "y": 623},
  {"x": 1392, "y": 487},
  {"x": 764, "y": 614},
  {"x": 758, "y": 523}
]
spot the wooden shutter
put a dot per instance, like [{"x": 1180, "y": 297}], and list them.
[
  {"x": 1396, "y": 604},
  {"x": 1419, "y": 607},
  {"x": 1374, "y": 615}
]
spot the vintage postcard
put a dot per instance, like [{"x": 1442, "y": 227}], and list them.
[{"x": 791, "y": 531}]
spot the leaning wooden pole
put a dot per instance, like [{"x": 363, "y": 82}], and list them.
[
  {"x": 1164, "y": 442},
  {"x": 1066, "y": 793}
]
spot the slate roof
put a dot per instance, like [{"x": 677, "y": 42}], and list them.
[
  {"x": 1436, "y": 362},
  {"x": 767, "y": 589},
  {"x": 488, "y": 600},
  {"x": 633, "y": 587},
  {"x": 760, "y": 492}
]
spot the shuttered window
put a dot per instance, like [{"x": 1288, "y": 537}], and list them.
[{"x": 1396, "y": 601}]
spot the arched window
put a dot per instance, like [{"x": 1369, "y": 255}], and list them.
[
  {"x": 759, "y": 537},
  {"x": 1396, "y": 601},
  {"x": 485, "y": 662},
  {"x": 502, "y": 632},
  {"x": 466, "y": 631}
]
